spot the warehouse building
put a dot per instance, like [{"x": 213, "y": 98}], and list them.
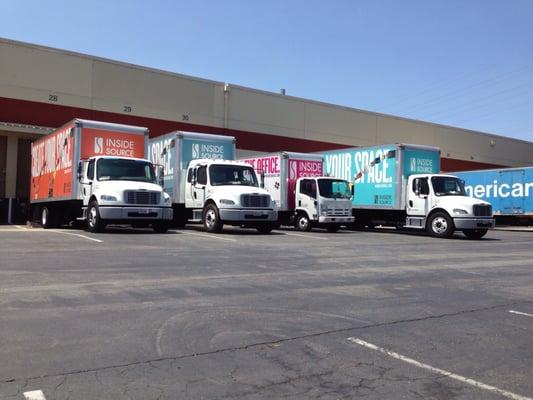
[{"x": 42, "y": 88}]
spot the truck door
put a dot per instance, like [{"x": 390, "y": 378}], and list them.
[
  {"x": 87, "y": 180},
  {"x": 198, "y": 189},
  {"x": 417, "y": 201},
  {"x": 306, "y": 197},
  {"x": 508, "y": 204}
]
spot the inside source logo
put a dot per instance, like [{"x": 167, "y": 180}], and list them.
[
  {"x": 413, "y": 164},
  {"x": 195, "y": 150},
  {"x": 99, "y": 145}
]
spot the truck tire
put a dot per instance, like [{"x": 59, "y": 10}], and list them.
[
  {"x": 212, "y": 222},
  {"x": 440, "y": 225},
  {"x": 48, "y": 219},
  {"x": 94, "y": 222},
  {"x": 265, "y": 228},
  {"x": 475, "y": 234},
  {"x": 303, "y": 223},
  {"x": 160, "y": 226},
  {"x": 333, "y": 228}
]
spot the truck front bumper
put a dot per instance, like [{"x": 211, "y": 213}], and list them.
[
  {"x": 473, "y": 223},
  {"x": 335, "y": 220},
  {"x": 246, "y": 215},
  {"x": 135, "y": 213}
]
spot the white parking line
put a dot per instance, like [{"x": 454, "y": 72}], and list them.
[
  {"x": 77, "y": 235},
  {"x": 209, "y": 236},
  {"x": 305, "y": 236},
  {"x": 520, "y": 313},
  {"x": 439, "y": 371},
  {"x": 34, "y": 395}
]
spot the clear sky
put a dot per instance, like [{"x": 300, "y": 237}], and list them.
[{"x": 466, "y": 63}]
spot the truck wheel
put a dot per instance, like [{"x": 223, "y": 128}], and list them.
[
  {"x": 160, "y": 226},
  {"x": 333, "y": 228},
  {"x": 212, "y": 222},
  {"x": 303, "y": 223},
  {"x": 267, "y": 228},
  {"x": 94, "y": 222},
  {"x": 47, "y": 218},
  {"x": 440, "y": 225},
  {"x": 475, "y": 234}
]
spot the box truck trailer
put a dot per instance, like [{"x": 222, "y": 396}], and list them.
[
  {"x": 303, "y": 196},
  {"x": 509, "y": 190},
  {"x": 207, "y": 185},
  {"x": 400, "y": 185},
  {"x": 96, "y": 172}
]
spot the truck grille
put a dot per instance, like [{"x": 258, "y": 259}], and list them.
[
  {"x": 338, "y": 212},
  {"x": 141, "y": 197},
  {"x": 482, "y": 210},
  {"x": 255, "y": 200}
]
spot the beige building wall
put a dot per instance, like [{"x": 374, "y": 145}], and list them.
[{"x": 29, "y": 72}]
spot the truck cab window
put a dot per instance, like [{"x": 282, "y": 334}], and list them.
[
  {"x": 421, "y": 186},
  {"x": 201, "y": 175},
  {"x": 90, "y": 170},
  {"x": 308, "y": 187},
  {"x": 189, "y": 175}
]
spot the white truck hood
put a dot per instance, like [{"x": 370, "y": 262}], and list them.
[
  {"x": 120, "y": 186},
  {"x": 458, "y": 201}
]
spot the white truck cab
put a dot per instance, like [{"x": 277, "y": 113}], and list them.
[
  {"x": 227, "y": 192},
  {"x": 322, "y": 202},
  {"x": 440, "y": 204},
  {"x": 122, "y": 190}
]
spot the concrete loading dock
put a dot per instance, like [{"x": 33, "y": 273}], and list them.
[{"x": 43, "y": 88}]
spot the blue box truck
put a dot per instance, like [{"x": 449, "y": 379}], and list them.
[
  {"x": 509, "y": 190},
  {"x": 400, "y": 185}
]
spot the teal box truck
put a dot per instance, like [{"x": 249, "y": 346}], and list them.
[
  {"x": 207, "y": 185},
  {"x": 400, "y": 185}
]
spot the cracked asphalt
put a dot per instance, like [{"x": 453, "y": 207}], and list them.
[{"x": 240, "y": 315}]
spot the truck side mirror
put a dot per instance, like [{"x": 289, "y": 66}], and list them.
[
  {"x": 193, "y": 178},
  {"x": 160, "y": 173},
  {"x": 262, "y": 179},
  {"x": 80, "y": 170}
]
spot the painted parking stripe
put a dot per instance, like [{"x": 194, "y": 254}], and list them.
[
  {"x": 448, "y": 374},
  {"x": 209, "y": 236},
  {"x": 77, "y": 235},
  {"x": 305, "y": 236},
  {"x": 34, "y": 395},
  {"x": 520, "y": 313}
]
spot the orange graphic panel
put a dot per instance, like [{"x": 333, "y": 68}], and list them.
[{"x": 97, "y": 142}]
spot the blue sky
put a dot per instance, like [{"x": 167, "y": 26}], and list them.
[{"x": 466, "y": 63}]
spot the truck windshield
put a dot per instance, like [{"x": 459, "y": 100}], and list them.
[
  {"x": 232, "y": 175},
  {"x": 122, "y": 169},
  {"x": 334, "y": 189},
  {"x": 448, "y": 186}
]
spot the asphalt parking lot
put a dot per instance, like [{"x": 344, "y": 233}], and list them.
[{"x": 130, "y": 314}]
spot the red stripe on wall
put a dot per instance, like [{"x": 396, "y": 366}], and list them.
[{"x": 54, "y": 115}]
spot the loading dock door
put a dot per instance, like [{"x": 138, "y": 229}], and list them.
[
  {"x": 23, "y": 169},
  {"x": 3, "y": 167}
]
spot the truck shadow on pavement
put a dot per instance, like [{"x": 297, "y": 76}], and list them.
[{"x": 455, "y": 236}]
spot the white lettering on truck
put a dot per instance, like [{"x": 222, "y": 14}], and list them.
[{"x": 500, "y": 190}]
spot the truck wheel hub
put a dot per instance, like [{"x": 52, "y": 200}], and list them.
[
  {"x": 210, "y": 218},
  {"x": 439, "y": 225},
  {"x": 92, "y": 216}
]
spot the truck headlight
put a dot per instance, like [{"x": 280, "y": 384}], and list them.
[
  {"x": 227, "y": 202},
  {"x": 459, "y": 211},
  {"x": 107, "y": 197},
  {"x": 166, "y": 198},
  {"x": 323, "y": 210}
]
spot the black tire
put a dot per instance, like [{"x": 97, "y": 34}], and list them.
[
  {"x": 211, "y": 219},
  {"x": 48, "y": 218},
  {"x": 333, "y": 228},
  {"x": 475, "y": 234},
  {"x": 266, "y": 228},
  {"x": 440, "y": 225},
  {"x": 94, "y": 222},
  {"x": 160, "y": 226},
  {"x": 303, "y": 223}
]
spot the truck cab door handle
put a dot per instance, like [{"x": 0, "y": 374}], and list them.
[
  {"x": 299, "y": 203},
  {"x": 411, "y": 203},
  {"x": 194, "y": 194}
]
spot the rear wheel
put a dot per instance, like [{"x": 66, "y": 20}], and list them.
[
  {"x": 160, "y": 226},
  {"x": 212, "y": 222},
  {"x": 94, "y": 222},
  {"x": 475, "y": 234},
  {"x": 333, "y": 228},
  {"x": 303, "y": 223},
  {"x": 267, "y": 228},
  {"x": 48, "y": 219},
  {"x": 440, "y": 225}
]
